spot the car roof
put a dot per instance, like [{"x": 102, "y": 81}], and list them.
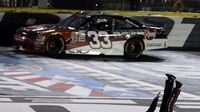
[
  {"x": 95, "y": 14},
  {"x": 92, "y": 14}
]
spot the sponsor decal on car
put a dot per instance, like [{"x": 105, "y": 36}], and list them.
[
  {"x": 150, "y": 33},
  {"x": 153, "y": 44}
]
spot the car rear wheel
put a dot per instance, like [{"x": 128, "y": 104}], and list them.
[
  {"x": 54, "y": 46},
  {"x": 133, "y": 48}
]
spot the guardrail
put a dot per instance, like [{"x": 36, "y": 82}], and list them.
[{"x": 183, "y": 32}]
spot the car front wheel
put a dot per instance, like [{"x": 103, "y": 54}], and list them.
[{"x": 54, "y": 46}]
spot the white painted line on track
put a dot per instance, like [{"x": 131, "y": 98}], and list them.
[
  {"x": 13, "y": 107},
  {"x": 46, "y": 83},
  {"x": 27, "y": 77},
  {"x": 189, "y": 107},
  {"x": 81, "y": 71},
  {"x": 58, "y": 77},
  {"x": 105, "y": 108},
  {"x": 15, "y": 73},
  {"x": 118, "y": 82},
  {"x": 73, "y": 83},
  {"x": 78, "y": 90},
  {"x": 104, "y": 77},
  {"x": 98, "y": 101},
  {"x": 13, "y": 87},
  {"x": 103, "y": 101},
  {"x": 92, "y": 74},
  {"x": 48, "y": 100},
  {"x": 25, "y": 107},
  {"x": 189, "y": 103},
  {"x": 5, "y": 100},
  {"x": 65, "y": 97},
  {"x": 6, "y": 82}
]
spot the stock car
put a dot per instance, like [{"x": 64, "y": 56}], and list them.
[{"x": 91, "y": 33}]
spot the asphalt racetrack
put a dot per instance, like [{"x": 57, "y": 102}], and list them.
[{"x": 74, "y": 83}]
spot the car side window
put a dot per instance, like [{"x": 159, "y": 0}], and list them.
[
  {"x": 122, "y": 25},
  {"x": 100, "y": 23}
]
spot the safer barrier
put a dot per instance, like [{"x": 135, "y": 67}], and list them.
[{"x": 182, "y": 32}]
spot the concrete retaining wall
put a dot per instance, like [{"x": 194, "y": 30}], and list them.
[{"x": 182, "y": 32}]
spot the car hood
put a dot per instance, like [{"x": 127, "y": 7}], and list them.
[{"x": 40, "y": 28}]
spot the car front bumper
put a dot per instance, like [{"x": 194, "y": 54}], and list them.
[{"x": 23, "y": 43}]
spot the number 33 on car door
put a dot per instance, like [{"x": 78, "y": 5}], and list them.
[{"x": 100, "y": 39}]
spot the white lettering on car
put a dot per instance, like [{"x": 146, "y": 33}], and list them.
[{"x": 99, "y": 40}]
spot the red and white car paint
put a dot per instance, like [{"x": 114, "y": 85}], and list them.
[{"x": 91, "y": 33}]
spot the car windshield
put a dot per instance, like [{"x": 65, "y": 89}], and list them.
[{"x": 73, "y": 21}]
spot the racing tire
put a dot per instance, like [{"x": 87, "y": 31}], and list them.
[
  {"x": 133, "y": 48},
  {"x": 55, "y": 46}
]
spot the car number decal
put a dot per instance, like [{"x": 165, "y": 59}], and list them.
[{"x": 99, "y": 40}]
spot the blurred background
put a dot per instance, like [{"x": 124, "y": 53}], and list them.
[
  {"x": 127, "y": 5},
  {"x": 16, "y": 18}
]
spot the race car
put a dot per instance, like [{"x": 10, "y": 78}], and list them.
[{"x": 91, "y": 33}]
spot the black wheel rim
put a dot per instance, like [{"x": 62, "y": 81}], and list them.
[
  {"x": 134, "y": 48},
  {"x": 54, "y": 46}
]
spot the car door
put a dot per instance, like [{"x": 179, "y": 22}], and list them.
[
  {"x": 94, "y": 36},
  {"x": 99, "y": 33}
]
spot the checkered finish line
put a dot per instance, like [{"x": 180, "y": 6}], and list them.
[
  {"x": 51, "y": 84},
  {"x": 73, "y": 86}
]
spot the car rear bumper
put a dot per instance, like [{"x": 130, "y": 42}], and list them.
[{"x": 156, "y": 44}]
